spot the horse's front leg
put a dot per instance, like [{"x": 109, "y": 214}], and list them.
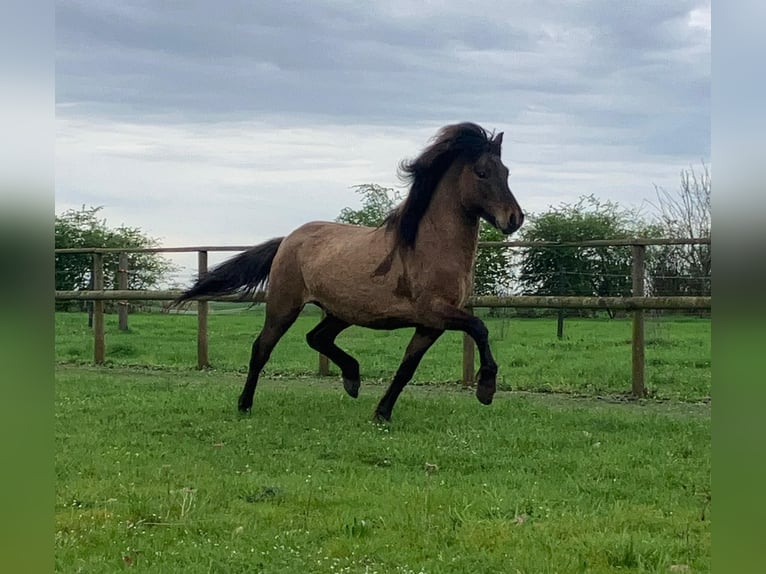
[{"x": 449, "y": 317}]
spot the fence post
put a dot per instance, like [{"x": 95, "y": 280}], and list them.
[
  {"x": 202, "y": 309},
  {"x": 324, "y": 366},
  {"x": 469, "y": 350},
  {"x": 324, "y": 362},
  {"x": 122, "y": 283},
  {"x": 89, "y": 304},
  {"x": 98, "y": 310},
  {"x": 560, "y": 322},
  {"x": 639, "y": 267}
]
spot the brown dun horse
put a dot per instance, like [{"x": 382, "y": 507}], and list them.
[{"x": 415, "y": 270}]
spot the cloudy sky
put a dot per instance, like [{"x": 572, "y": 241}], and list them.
[{"x": 233, "y": 122}]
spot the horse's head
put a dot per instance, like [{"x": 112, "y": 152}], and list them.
[{"x": 485, "y": 192}]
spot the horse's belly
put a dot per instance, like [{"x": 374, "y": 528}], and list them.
[{"x": 365, "y": 303}]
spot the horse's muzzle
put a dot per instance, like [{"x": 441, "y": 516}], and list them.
[{"x": 514, "y": 223}]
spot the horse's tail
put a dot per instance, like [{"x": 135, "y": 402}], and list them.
[{"x": 245, "y": 272}]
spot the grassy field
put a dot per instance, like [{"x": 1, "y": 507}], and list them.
[
  {"x": 593, "y": 358},
  {"x": 157, "y": 473}
]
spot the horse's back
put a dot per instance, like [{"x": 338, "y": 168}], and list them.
[
  {"x": 325, "y": 243},
  {"x": 335, "y": 266}
]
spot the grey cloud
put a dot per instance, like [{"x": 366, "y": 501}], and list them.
[{"x": 617, "y": 65}]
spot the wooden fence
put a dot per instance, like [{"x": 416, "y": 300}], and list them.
[{"x": 637, "y": 303}]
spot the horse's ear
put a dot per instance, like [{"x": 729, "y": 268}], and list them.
[{"x": 497, "y": 143}]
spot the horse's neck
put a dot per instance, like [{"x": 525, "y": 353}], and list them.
[{"x": 447, "y": 232}]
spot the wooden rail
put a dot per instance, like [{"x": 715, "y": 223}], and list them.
[
  {"x": 637, "y": 303},
  {"x": 503, "y": 244},
  {"x": 488, "y": 301}
]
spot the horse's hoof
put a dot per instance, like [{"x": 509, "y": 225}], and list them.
[
  {"x": 485, "y": 394},
  {"x": 351, "y": 386},
  {"x": 243, "y": 407},
  {"x": 381, "y": 418}
]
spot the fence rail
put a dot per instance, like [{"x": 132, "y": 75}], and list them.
[
  {"x": 589, "y": 243},
  {"x": 637, "y": 303},
  {"x": 488, "y": 301}
]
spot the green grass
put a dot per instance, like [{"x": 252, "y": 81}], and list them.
[
  {"x": 594, "y": 357},
  {"x": 157, "y": 473}
]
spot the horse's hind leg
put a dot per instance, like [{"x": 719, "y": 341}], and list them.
[
  {"x": 322, "y": 339},
  {"x": 277, "y": 322},
  {"x": 420, "y": 343}
]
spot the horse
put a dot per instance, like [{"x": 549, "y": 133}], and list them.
[{"x": 414, "y": 270}]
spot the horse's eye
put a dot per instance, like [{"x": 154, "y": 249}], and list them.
[{"x": 481, "y": 174}]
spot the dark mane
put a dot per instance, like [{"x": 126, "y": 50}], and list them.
[{"x": 466, "y": 141}]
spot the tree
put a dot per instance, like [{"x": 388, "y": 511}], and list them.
[
  {"x": 685, "y": 213},
  {"x": 584, "y": 271},
  {"x": 377, "y": 203},
  {"x": 78, "y": 228},
  {"x": 491, "y": 272}
]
